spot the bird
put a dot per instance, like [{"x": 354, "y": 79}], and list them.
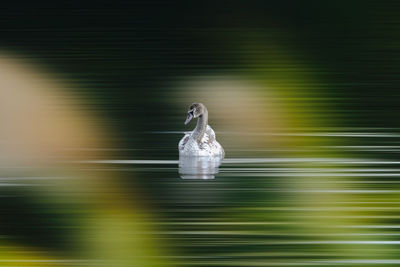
[{"x": 201, "y": 141}]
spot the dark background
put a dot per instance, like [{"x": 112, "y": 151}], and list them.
[{"x": 123, "y": 55}]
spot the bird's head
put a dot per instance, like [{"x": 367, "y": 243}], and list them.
[{"x": 195, "y": 110}]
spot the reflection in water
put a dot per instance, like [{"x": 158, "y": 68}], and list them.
[{"x": 199, "y": 167}]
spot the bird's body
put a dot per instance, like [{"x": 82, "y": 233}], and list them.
[
  {"x": 208, "y": 146},
  {"x": 201, "y": 141}
]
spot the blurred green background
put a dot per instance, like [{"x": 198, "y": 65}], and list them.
[{"x": 314, "y": 83}]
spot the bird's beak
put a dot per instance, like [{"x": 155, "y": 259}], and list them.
[{"x": 189, "y": 117}]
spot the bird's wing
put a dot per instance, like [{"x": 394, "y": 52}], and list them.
[{"x": 183, "y": 141}]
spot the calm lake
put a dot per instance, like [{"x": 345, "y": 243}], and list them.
[{"x": 270, "y": 210}]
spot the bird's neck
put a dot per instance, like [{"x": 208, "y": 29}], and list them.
[{"x": 201, "y": 126}]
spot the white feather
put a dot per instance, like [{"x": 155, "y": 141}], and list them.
[{"x": 208, "y": 145}]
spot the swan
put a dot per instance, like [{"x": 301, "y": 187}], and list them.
[{"x": 201, "y": 141}]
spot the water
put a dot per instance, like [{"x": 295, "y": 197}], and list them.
[
  {"x": 278, "y": 211},
  {"x": 334, "y": 201},
  {"x": 303, "y": 97}
]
